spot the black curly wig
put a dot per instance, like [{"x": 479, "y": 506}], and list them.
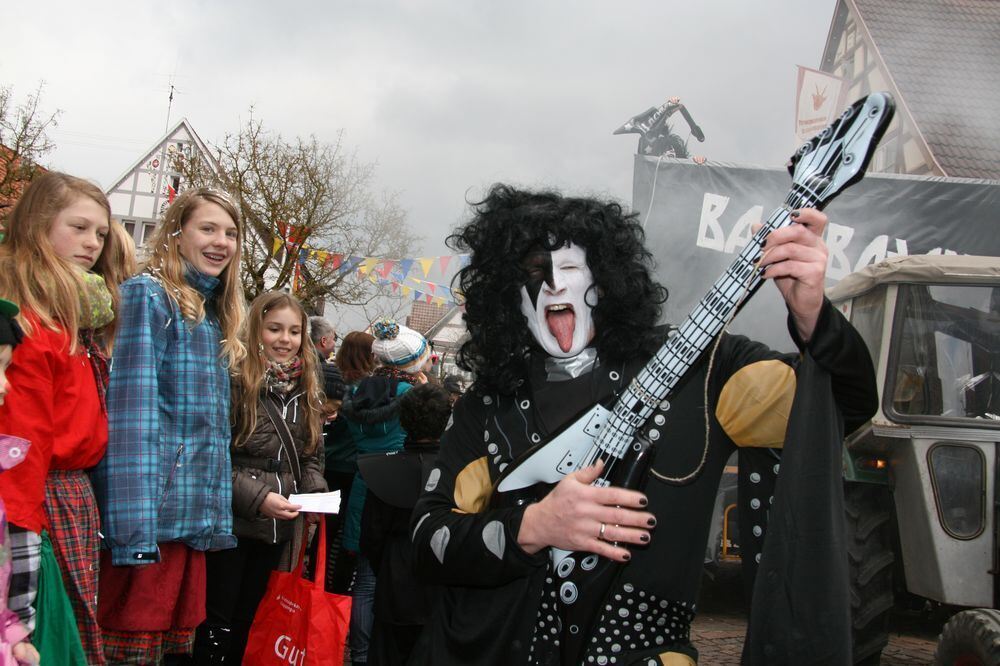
[{"x": 508, "y": 224}]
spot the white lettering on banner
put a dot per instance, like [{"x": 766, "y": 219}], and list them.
[
  {"x": 712, "y": 208},
  {"x": 285, "y": 650},
  {"x": 838, "y": 236},
  {"x": 743, "y": 231},
  {"x": 712, "y": 235}
]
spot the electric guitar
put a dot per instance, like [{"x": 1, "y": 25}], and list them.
[{"x": 822, "y": 168}]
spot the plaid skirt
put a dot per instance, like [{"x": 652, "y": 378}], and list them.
[
  {"x": 25, "y": 561},
  {"x": 151, "y": 610},
  {"x": 74, "y": 525}
]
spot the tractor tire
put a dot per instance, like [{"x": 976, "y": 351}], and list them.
[
  {"x": 970, "y": 638},
  {"x": 868, "y": 509}
]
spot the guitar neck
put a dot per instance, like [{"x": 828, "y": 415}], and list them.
[{"x": 670, "y": 364}]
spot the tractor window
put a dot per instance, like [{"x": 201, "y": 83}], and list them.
[
  {"x": 946, "y": 356},
  {"x": 866, "y": 316},
  {"x": 959, "y": 479}
]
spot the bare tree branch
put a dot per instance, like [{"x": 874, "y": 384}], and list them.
[{"x": 304, "y": 193}]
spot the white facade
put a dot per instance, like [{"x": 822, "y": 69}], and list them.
[{"x": 141, "y": 195}]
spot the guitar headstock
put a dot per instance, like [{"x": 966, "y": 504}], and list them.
[{"x": 838, "y": 156}]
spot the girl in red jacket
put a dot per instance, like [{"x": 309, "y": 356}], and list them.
[{"x": 53, "y": 263}]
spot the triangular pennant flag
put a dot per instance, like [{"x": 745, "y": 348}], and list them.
[
  {"x": 367, "y": 265},
  {"x": 425, "y": 264},
  {"x": 351, "y": 263},
  {"x": 336, "y": 260},
  {"x": 417, "y": 295},
  {"x": 431, "y": 286},
  {"x": 395, "y": 287},
  {"x": 276, "y": 247},
  {"x": 406, "y": 290},
  {"x": 387, "y": 267},
  {"x": 429, "y": 298},
  {"x": 404, "y": 267},
  {"x": 302, "y": 257},
  {"x": 444, "y": 262}
]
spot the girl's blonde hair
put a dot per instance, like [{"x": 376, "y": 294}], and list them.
[
  {"x": 120, "y": 252},
  {"x": 33, "y": 275},
  {"x": 166, "y": 264},
  {"x": 249, "y": 380}
]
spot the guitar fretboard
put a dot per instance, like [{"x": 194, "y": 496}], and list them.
[{"x": 660, "y": 376}]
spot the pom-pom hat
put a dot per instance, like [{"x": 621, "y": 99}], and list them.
[{"x": 399, "y": 347}]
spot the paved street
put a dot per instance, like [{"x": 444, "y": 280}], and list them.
[{"x": 720, "y": 626}]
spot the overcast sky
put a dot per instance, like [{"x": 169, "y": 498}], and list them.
[{"x": 447, "y": 97}]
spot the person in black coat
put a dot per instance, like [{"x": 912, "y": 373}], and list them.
[{"x": 395, "y": 479}]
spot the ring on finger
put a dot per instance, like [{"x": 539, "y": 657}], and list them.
[{"x": 600, "y": 534}]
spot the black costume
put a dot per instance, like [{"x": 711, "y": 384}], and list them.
[
  {"x": 402, "y": 601},
  {"x": 498, "y": 605}
]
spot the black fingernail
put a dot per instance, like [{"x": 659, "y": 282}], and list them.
[
  {"x": 644, "y": 538},
  {"x": 643, "y": 501},
  {"x": 651, "y": 522},
  {"x": 627, "y": 557},
  {"x": 794, "y": 213}
]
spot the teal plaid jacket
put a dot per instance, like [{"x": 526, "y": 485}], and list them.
[{"x": 167, "y": 474}]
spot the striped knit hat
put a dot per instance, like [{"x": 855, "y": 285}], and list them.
[{"x": 398, "y": 346}]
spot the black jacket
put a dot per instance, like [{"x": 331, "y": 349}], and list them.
[{"x": 497, "y": 604}]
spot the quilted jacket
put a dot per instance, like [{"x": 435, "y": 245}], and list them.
[{"x": 261, "y": 465}]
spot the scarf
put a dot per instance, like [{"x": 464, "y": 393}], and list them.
[
  {"x": 96, "y": 312},
  {"x": 397, "y": 374},
  {"x": 282, "y": 377}
]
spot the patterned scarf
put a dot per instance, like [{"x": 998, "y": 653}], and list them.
[
  {"x": 96, "y": 311},
  {"x": 395, "y": 373},
  {"x": 282, "y": 377}
]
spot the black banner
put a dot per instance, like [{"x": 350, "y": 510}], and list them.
[{"x": 698, "y": 217}]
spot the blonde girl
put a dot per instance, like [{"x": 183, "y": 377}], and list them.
[
  {"x": 53, "y": 263},
  {"x": 164, "y": 486},
  {"x": 276, "y": 447}
]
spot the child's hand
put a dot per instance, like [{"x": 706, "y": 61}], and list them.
[
  {"x": 26, "y": 654},
  {"x": 276, "y": 506}
]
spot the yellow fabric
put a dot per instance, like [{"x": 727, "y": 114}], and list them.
[
  {"x": 473, "y": 486},
  {"x": 676, "y": 659},
  {"x": 756, "y": 402}
]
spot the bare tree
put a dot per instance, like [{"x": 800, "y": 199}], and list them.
[
  {"x": 306, "y": 195},
  {"x": 24, "y": 140}
]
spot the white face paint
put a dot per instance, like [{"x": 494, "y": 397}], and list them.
[{"x": 555, "y": 300}]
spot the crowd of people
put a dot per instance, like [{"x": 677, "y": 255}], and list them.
[{"x": 153, "y": 426}]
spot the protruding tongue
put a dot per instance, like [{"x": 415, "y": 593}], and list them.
[{"x": 561, "y": 325}]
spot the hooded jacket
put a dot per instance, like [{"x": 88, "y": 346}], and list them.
[
  {"x": 263, "y": 465},
  {"x": 371, "y": 410}
]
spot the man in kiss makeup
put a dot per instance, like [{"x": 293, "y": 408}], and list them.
[{"x": 562, "y": 312}]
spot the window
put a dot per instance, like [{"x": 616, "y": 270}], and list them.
[
  {"x": 946, "y": 364},
  {"x": 147, "y": 232},
  {"x": 129, "y": 227},
  {"x": 959, "y": 482}
]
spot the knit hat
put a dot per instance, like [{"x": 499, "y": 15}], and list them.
[
  {"x": 10, "y": 331},
  {"x": 398, "y": 346}
]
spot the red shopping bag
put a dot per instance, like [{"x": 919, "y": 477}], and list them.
[{"x": 298, "y": 623}]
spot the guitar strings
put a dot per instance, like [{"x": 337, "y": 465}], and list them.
[{"x": 678, "y": 480}]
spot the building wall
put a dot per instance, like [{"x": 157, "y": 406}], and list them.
[
  {"x": 142, "y": 195},
  {"x": 854, "y": 57}
]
